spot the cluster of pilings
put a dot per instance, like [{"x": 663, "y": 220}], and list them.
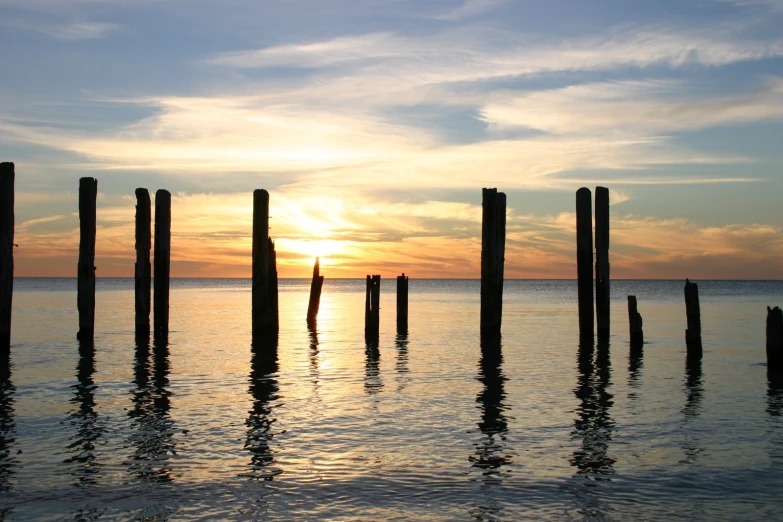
[{"x": 265, "y": 315}]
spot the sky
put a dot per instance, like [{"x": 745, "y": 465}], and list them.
[{"x": 374, "y": 124}]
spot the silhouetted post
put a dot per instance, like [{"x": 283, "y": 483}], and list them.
[
  {"x": 162, "y": 262},
  {"x": 264, "y": 294},
  {"x": 315, "y": 293},
  {"x": 774, "y": 339},
  {"x": 85, "y": 297},
  {"x": 7, "y": 176},
  {"x": 372, "y": 307},
  {"x": 260, "y": 259},
  {"x": 584, "y": 261},
  {"x": 493, "y": 251},
  {"x": 602, "y": 261},
  {"x": 402, "y": 303},
  {"x": 635, "y": 323},
  {"x": 143, "y": 268},
  {"x": 693, "y": 313}
]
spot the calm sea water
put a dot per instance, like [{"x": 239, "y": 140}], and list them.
[{"x": 422, "y": 429}]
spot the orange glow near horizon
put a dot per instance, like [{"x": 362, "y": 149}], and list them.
[{"x": 355, "y": 235}]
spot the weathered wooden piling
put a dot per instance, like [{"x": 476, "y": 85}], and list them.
[
  {"x": 493, "y": 250},
  {"x": 584, "y": 261},
  {"x": 602, "y": 261},
  {"x": 635, "y": 323},
  {"x": 402, "y": 304},
  {"x": 7, "y": 177},
  {"x": 162, "y": 263},
  {"x": 315, "y": 293},
  {"x": 264, "y": 294},
  {"x": 693, "y": 314},
  {"x": 143, "y": 270},
  {"x": 774, "y": 339},
  {"x": 85, "y": 297},
  {"x": 372, "y": 307}
]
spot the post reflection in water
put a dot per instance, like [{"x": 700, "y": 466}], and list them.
[
  {"x": 315, "y": 374},
  {"x": 692, "y": 385},
  {"x": 86, "y": 439},
  {"x": 261, "y": 421},
  {"x": 152, "y": 429},
  {"x": 775, "y": 411},
  {"x": 491, "y": 452},
  {"x": 402, "y": 359},
  {"x": 593, "y": 425},
  {"x": 635, "y": 366},
  {"x": 372, "y": 374},
  {"x": 8, "y": 461}
]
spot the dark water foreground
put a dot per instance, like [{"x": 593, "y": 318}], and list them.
[{"x": 423, "y": 427}]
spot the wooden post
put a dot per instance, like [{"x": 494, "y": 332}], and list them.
[
  {"x": 315, "y": 293},
  {"x": 693, "y": 314},
  {"x": 260, "y": 257},
  {"x": 7, "y": 177},
  {"x": 402, "y": 304},
  {"x": 774, "y": 339},
  {"x": 143, "y": 269},
  {"x": 602, "y": 261},
  {"x": 372, "y": 307},
  {"x": 493, "y": 250},
  {"x": 264, "y": 295},
  {"x": 85, "y": 297},
  {"x": 635, "y": 323},
  {"x": 162, "y": 263},
  {"x": 584, "y": 261}
]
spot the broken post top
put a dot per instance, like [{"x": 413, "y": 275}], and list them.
[
  {"x": 601, "y": 218},
  {"x": 162, "y": 194},
  {"x": 261, "y": 211},
  {"x": 317, "y": 268},
  {"x": 6, "y": 166}
]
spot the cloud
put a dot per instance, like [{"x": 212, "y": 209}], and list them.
[
  {"x": 81, "y": 30},
  {"x": 470, "y": 8},
  {"x": 38, "y": 221},
  {"x": 476, "y": 53},
  {"x": 72, "y": 31},
  {"x": 774, "y": 5},
  {"x": 639, "y": 107}
]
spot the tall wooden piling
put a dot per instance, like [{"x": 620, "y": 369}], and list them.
[
  {"x": 372, "y": 307},
  {"x": 264, "y": 294},
  {"x": 143, "y": 270},
  {"x": 602, "y": 261},
  {"x": 315, "y": 293},
  {"x": 774, "y": 339},
  {"x": 693, "y": 314},
  {"x": 7, "y": 177},
  {"x": 85, "y": 297},
  {"x": 162, "y": 263},
  {"x": 493, "y": 250},
  {"x": 635, "y": 323},
  {"x": 402, "y": 304},
  {"x": 584, "y": 261}
]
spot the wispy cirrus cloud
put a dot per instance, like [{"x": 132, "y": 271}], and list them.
[
  {"x": 631, "y": 106},
  {"x": 473, "y": 54},
  {"x": 66, "y": 31},
  {"x": 470, "y": 8}
]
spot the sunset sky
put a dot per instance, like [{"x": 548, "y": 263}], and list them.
[{"x": 374, "y": 124}]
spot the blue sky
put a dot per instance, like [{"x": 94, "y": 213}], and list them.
[{"x": 375, "y": 124}]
